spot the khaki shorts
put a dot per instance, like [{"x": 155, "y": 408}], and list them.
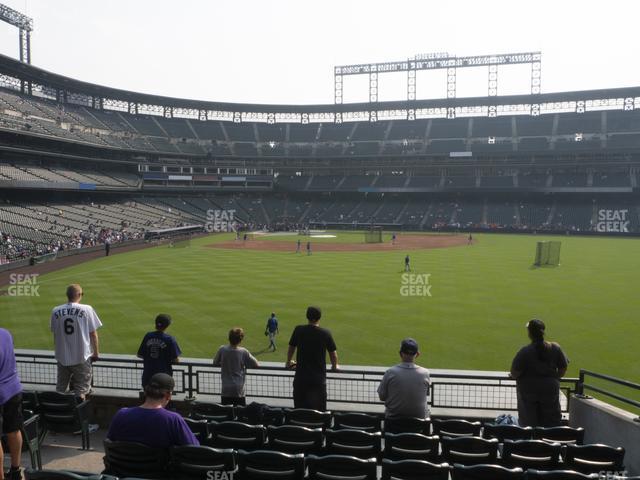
[{"x": 76, "y": 378}]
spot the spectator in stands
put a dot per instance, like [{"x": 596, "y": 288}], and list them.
[
  {"x": 75, "y": 333},
  {"x": 312, "y": 343},
  {"x": 10, "y": 406},
  {"x": 151, "y": 423},
  {"x": 158, "y": 350},
  {"x": 404, "y": 387},
  {"x": 537, "y": 369},
  {"x": 234, "y": 361}
]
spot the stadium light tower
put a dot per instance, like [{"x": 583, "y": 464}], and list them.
[
  {"x": 25, "y": 27},
  {"x": 437, "y": 61}
]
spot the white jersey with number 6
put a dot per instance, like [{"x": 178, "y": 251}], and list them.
[{"x": 71, "y": 325}]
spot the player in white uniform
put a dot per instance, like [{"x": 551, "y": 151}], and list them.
[{"x": 74, "y": 328}]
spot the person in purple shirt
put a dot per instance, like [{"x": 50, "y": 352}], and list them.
[
  {"x": 150, "y": 423},
  {"x": 158, "y": 350},
  {"x": 10, "y": 406}
]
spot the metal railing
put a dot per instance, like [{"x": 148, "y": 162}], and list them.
[
  {"x": 358, "y": 386},
  {"x": 583, "y": 386}
]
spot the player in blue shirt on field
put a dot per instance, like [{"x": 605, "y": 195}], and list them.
[
  {"x": 272, "y": 330},
  {"x": 158, "y": 350},
  {"x": 407, "y": 267}
]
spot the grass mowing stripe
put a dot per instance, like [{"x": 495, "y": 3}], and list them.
[{"x": 482, "y": 297}]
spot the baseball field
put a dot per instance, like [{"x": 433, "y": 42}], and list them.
[{"x": 466, "y": 305}]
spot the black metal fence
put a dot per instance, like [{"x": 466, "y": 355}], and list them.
[
  {"x": 467, "y": 390},
  {"x": 585, "y": 385}
]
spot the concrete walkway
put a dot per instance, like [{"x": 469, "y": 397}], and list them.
[{"x": 62, "y": 452}]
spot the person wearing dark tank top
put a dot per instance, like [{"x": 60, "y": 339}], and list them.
[{"x": 537, "y": 369}]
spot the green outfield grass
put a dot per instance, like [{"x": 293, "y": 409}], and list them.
[{"x": 482, "y": 296}]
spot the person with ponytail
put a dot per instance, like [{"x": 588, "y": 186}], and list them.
[{"x": 537, "y": 369}]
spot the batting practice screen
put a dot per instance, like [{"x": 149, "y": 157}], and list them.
[
  {"x": 373, "y": 235},
  {"x": 547, "y": 253}
]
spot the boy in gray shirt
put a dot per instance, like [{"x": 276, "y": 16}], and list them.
[
  {"x": 234, "y": 361},
  {"x": 404, "y": 387}
]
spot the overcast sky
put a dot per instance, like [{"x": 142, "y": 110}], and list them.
[{"x": 284, "y": 51}]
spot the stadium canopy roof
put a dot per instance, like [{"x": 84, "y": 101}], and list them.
[{"x": 28, "y": 73}]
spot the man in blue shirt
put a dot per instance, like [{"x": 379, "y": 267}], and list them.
[
  {"x": 158, "y": 350},
  {"x": 272, "y": 330},
  {"x": 10, "y": 405}
]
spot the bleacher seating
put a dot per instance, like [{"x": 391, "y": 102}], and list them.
[
  {"x": 353, "y": 182},
  {"x": 533, "y": 144},
  {"x": 335, "y": 133},
  {"x": 453, "y": 128},
  {"x": 469, "y": 214},
  {"x": 499, "y": 181},
  {"x": 351, "y": 444},
  {"x": 534, "y": 126},
  {"x": 501, "y": 214},
  {"x": 428, "y": 181},
  {"x": 38, "y": 115},
  {"x": 324, "y": 182},
  {"x": 402, "y": 130},
  {"x": 561, "y": 179},
  {"x": 391, "y": 181},
  {"x": 369, "y": 131},
  {"x": 574, "y": 217},
  {"x": 611, "y": 179}
]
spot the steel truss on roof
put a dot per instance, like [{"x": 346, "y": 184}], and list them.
[
  {"x": 25, "y": 27},
  {"x": 438, "y": 61},
  {"x": 30, "y": 80}
]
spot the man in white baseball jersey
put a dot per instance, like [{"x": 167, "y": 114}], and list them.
[{"x": 74, "y": 328}]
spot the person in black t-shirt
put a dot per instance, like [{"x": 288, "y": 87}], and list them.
[
  {"x": 312, "y": 343},
  {"x": 537, "y": 369}
]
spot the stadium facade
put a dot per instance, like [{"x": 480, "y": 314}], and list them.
[{"x": 77, "y": 156}]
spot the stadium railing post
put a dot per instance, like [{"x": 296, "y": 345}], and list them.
[
  {"x": 190, "y": 381},
  {"x": 580, "y": 384}
]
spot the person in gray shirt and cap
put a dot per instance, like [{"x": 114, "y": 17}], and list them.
[
  {"x": 234, "y": 361},
  {"x": 404, "y": 387}
]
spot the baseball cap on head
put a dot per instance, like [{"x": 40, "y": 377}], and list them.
[
  {"x": 409, "y": 345},
  {"x": 163, "y": 320},
  {"x": 162, "y": 381}
]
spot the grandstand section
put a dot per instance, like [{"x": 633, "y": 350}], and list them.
[{"x": 509, "y": 168}]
